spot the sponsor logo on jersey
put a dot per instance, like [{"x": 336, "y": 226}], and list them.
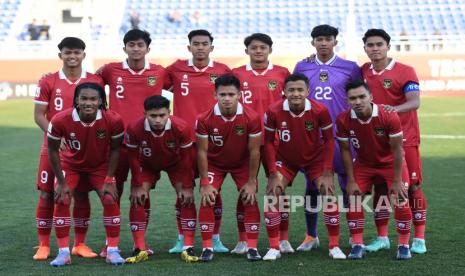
[
  {"x": 100, "y": 133},
  {"x": 184, "y": 77},
  {"x": 387, "y": 83},
  {"x": 215, "y": 131},
  {"x": 171, "y": 144},
  {"x": 272, "y": 84},
  {"x": 283, "y": 125},
  {"x": 151, "y": 81},
  {"x": 213, "y": 77},
  {"x": 58, "y": 91},
  {"x": 72, "y": 135},
  {"x": 239, "y": 130},
  {"x": 308, "y": 125},
  {"x": 379, "y": 131},
  {"x": 144, "y": 143},
  {"x": 119, "y": 80},
  {"x": 246, "y": 84},
  {"x": 324, "y": 76}
]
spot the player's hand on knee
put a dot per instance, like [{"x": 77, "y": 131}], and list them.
[
  {"x": 62, "y": 194},
  {"x": 186, "y": 196},
  {"x": 138, "y": 196},
  {"x": 353, "y": 189},
  {"x": 248, "y": 192},
  {"x": 109, "y": 187},
  {"x": 208, "y": 193},
  {"x": 398, "y": 193}
]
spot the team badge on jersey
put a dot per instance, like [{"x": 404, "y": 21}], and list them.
[
  {"x": 308, "y": 126},
  {"x": 324, "y": 76},
  {"x": 387, "y": 83},
  {"x": 151, "y": 81},
  {"x": 239, "y": 130},
  {"x": 379, "y": 131},
  {"x": 100, "y": 133},
  {"x": 171, "y": 144},
  {"x": 272, "y": 84},
  {"x": 213, "y": 77}
]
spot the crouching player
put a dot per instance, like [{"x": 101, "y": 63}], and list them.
[
  {"x": 306, "y": 142},
  {"x": 376, "y": 136},
  {"x": 161, "y": 142},
  {"x": 93, "y": 136},
  {"x": 228, "y": 141}
]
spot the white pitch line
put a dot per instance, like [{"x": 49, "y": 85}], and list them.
[
  {"x": 440, "y": 136},
  {"x": 447, "y": 114}
]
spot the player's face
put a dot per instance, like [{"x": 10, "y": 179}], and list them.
[
  {"x": 136, "y": 49},
  {"x": 72, "y": 58},
  {"x": 376, "y": 48},
  {"x": 88, "y": 102},
  {"x": 157, "y": 117},
  {"x": 360, "y": 100},
  {"x": 296, "y": 92},
  {"x": 200, "y": 47},
  {"x": 324, "y": 45},
  {"x": 228, "y": 97},
  {"x": 258, "y": 51}
]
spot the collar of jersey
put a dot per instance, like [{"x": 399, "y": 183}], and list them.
[
  {"x": 388, "y": 67},
  {"x": 239, "y": 111},
  {"x": 308, "y": 106},
  {"x": 329, "y": 62},
  {"x": 76, "y": 118},
  {"x": 190, "y": 62},
  {"x": 62, "y": 76},
  {"x": 147, "y": 125},
  {"x": 146, "y": 66},
  {"x": 248, "y": 67},
  {"x": 375, "y": 113}
]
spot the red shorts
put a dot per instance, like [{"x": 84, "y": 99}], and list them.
[
  {"x": 85, "y": 181},
  {"x": 289, "y": 171},
  {"x": 122, "y": 170},
  {"x": 195, "y": 169},
  {"x": 175, "y": 175},
  {"x": 412, "y": 157},
  {"x": 45, "y": 175},
  {"x": 366, "y": 176},
  {"x": 240, "y": 176}
]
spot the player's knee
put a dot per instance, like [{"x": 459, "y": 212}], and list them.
[
  {"x": 415, "y": 187},
  {"x": 108, "y": 200},
  {"x": 46, "y": 195}
]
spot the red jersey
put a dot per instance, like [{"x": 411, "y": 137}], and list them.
[
  {"x": 129, "y": 89},
  {"x": 300, "y": 140},
  {"x": 194, "y": 88},
  {"x": 390, "y": 87},
  {"x": 57, "y": 93},
  {"x": 228, "y": 138},
  {"x": 88, "y": 143},
  {"x": 260, "y": 90},
  {"x": 160, "y": 151},
  {"x": 370, "y": 138}
]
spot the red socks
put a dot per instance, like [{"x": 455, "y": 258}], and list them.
[{"x": 44, "y": 219}]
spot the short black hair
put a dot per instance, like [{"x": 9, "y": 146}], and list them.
[
  {"x": 297, "y": 77},
  {"x": 377, "y": 32},
  {"x": 137, "y": 34},
  {"x": 200, "y": 32},
  {"x": 260, "y": 37},
  {"x": 72, "y": 43},
  {"x": 324, "y": 30},
  {"x": 356, "y": 84},
  {"x": 94, "y": 86},
  {"x": 156, "y": 102},
  {"x": 227, "y": 80}
]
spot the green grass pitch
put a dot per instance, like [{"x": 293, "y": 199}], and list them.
[{"x": 443, "y": 170}]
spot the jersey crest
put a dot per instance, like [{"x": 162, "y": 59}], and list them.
[
  {"x": 151, "y": 81},
  {"x": 272, "y": 84},
  {"x": 387, "y": 83},
  {"x": 213, "y": 77},
  {"x": 324, "y": 76},
  {"x": 379, "y": 131},
  {"x": 308, "y": 126},
  {"x": 239, "y": 130},
  {"x": 100, "y": 134}
]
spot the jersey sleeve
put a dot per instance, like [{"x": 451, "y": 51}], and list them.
[
  {"x": 55, "y": 129},
  {"x": 167, "y": 81},
  {"x": 325, "y": 119},
  {"x": 104, "y": 73},
  {"x": 117, "y": 128},
  {"x": 43, "y": 92},
  {"x": 254, "y": 126},
  {"x": 341, "y": 132},
  {"x": 409, "y": 79},
  {"x": 270, "y": 121},
  {"x": 201, "y": 128},
  {"x": 395, "y": 127},
  {"x": 186, "y": 134},
  {"x": 131, "y": 137},
  {"x": 356, "y": 73}
]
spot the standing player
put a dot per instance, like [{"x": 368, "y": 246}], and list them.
[
  {"x": 93, "y": 136},
  {"x": 228, "y": 141},
  {"x": 299, "y": 124},
  {"x": 131, "y": 82},
  {"x": 55, "y": 94},
  {"x": 159, "y": 142},
  {"x": 328, "y": 75},
  {"x": 376, "y": 136},
  {"x": 262, "y": 84},
  {"x": 192, "y": 84},
  {"x": 395, "y": 87}
]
